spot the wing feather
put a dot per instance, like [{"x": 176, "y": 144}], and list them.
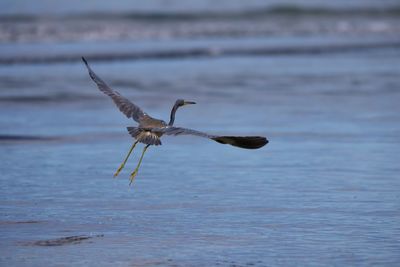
[
  {"x": 125, "y": 106},
  {"x": 249, "y": 142},
  {"x": 170, "y": 130}
]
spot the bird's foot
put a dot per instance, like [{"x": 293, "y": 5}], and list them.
[
  {"x": 119, "y": 170},
  {"x": 133, "y": 175}
]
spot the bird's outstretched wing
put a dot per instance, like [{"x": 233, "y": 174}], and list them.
[
  {"x": 249, "y": 142},
  {"x": 125, "y": 106}
]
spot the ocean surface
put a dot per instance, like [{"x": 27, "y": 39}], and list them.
[{"x": 321, "y": 80}]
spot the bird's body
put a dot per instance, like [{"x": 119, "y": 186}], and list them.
[
  {"x": 143, "y": 133},
  {"x": 150, "y": 130}
]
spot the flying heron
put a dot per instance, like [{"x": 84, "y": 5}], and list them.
[{"x": 150, "y": 130}]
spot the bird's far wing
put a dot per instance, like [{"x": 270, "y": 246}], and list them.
[
  {"x": 170, "y": 130},
  {"x": 125, "y": 106},
  {"x": 249, "y": 142}
]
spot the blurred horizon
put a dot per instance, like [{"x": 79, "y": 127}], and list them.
[
  {"x": 64, "y": 7},
  {"x": 40, "y": 32}
]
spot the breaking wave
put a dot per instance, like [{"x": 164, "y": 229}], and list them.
[
  {"x": 154, "y": 16},
  {"x": 200, "y": 52}
]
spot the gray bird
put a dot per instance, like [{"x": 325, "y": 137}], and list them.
[{"x": 150, "y": 130}]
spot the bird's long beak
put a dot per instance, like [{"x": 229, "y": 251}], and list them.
[{"x": 188, "y": 102}]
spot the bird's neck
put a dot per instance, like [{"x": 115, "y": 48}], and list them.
[{"x": 172, "y": 117}]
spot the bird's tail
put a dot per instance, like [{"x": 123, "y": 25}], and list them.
[
  {"x": 145, "y": 137},
  {"x": 249, "y": 142},
  {"x": 134, "y": 131}
]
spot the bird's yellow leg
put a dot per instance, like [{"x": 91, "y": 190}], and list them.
[
  {"x": 133, "y": 174},
  {"x": 123, "y": 163}
]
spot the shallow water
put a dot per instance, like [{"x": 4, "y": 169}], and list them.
[{"x": 323, "y": 192}]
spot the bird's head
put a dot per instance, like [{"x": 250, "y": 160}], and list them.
[
  {"x": 181, "y": 102},
  {"x": 178, "y": 103}
]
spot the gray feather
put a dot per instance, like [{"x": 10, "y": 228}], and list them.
[
  {"x": 144, "y": 136},
  {"x": 125, "y": 106},
  {"x": 170, "y": 130},
  {"x": 248, "y": 142}
]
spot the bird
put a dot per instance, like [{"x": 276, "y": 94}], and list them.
[{"x": 150, "y": 130}]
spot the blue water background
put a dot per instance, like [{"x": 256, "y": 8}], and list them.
[{"x": 323, "y": 192}]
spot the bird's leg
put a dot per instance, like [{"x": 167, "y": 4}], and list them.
[
  {"x": 133, "y": 174},
  {"x": 123, "y": 163}
]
